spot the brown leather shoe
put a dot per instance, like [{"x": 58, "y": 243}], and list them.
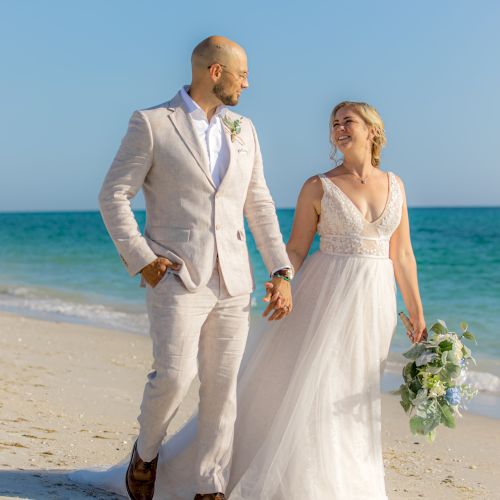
[
  {"x": 210, "y": 496},
  {"x": 140, "y": 477}
]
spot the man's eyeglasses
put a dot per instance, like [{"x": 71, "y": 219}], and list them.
[{"x": 242, "y": 76}]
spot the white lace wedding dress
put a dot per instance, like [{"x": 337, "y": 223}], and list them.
[{"x": 309, "y": 423}]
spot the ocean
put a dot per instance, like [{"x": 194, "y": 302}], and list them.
[{"x": 63, "y": 266}]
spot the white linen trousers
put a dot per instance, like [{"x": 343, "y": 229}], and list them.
[{"x": 203, "y": 332}]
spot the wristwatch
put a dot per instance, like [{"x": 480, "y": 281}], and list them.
[{"x": 284, "y": 273}]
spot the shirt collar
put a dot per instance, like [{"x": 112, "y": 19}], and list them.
[{"x": 195, "y": 110}]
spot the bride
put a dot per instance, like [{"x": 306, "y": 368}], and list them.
[{"x": 309, "y": 422}]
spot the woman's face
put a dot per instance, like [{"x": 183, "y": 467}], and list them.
[{"x": 350, "y": 132}]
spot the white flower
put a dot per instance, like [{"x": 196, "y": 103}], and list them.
[{"x": 437, "y": 389}]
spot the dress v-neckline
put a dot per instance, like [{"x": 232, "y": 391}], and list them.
[{"x": 389, "y": 193}]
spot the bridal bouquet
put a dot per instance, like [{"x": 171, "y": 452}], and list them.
[{"x": 433, "y": 386}]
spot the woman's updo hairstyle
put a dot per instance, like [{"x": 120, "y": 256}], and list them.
[{"x": 372, "y": 119}]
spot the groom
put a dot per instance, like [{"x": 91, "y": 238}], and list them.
[{"x": 200, "y": 167}]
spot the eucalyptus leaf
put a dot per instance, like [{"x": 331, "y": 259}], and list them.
[
  {"x": 439, "y": 328},
  {"x": 447, "y": 417},
  {"x": 442, "y": 323},
  {"x": 406, "y": 406},
  {"x": 432, "y": 420},
  {"x": 433, "y": 369},
  {"x": 405, "y": 393},
  {"x": 421, "y": 397},
  {"x": 424, "y": 407},
  {"x": 453, "y": 370},
  {"x": 417, "y": 425},
  {"x": 425, "y": 358},
  {"x": 470, "y": 336},
  {"x": 453, "y": 358},
  {"x": 414, "y": 352},
  {"x": 431, "y": 436},
  {"x": 446, "y": 345},
  {"x": 415, "y": 386},
  {"x": 409, "y": 372},
  {"x": 464, "y": 326}
]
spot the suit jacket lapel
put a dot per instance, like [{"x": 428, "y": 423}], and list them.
[
  {"x": 182, "y": 123},
  {"x": 232, "y": 154}
]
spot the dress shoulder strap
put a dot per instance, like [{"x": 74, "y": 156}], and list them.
[
  {"x": 325, "y": 183},
  {"x": 394, "y": 184},
  {"x": 324, "y": 180}
]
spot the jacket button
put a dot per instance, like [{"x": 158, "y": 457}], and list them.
[{"x": 217, "y": 226}]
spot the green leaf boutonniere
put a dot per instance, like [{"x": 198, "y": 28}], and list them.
[{"x": 234, "y": 127}]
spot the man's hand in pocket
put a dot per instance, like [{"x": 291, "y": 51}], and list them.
[{"x": 154, "y": 272}]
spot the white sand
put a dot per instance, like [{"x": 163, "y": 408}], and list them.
[{"x": 70, "y": 395}]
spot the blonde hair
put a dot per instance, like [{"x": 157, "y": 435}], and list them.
[{"x": 372, "y": 118}]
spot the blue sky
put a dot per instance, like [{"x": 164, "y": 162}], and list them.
[{"x": 74, "y": 71}]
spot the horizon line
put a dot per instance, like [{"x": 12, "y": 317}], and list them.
[{"x": 95, "y": 210}]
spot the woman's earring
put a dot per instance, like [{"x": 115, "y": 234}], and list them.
[{"x": 333, "y": 154}]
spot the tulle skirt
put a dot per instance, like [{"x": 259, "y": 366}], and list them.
[{"x": 309, "y": 421}]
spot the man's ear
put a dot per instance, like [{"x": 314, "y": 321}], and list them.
[{"x": 215, "y": 72}]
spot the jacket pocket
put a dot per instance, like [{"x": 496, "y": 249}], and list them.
[{"x": 166, "y": 234}]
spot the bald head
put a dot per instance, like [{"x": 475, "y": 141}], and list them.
[
  {"x": 216, "y": 49},
  {"x": 219, "y": 72}
]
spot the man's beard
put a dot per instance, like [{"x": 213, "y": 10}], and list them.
[{"x": 227, "y": 99}]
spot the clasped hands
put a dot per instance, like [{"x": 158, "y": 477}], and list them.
[
  {"x": 278, "y": 290},
  {"x": 279, "y": 296}
]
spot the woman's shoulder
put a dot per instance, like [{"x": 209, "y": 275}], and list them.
[
  {"x": 334, "y": 172},
  {"x": 313, "y": 186},
  {"x": 397, "y": 178},
  {"x": 313, "y": 182},
  {"x": 393, "y": 174}
]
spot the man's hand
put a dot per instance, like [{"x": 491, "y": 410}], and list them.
[
  {"x": 155, "y": 271},
  {"x": 279, "y": 296}
]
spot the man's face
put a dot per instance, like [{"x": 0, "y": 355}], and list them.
[{"x": 233, "y": 81}]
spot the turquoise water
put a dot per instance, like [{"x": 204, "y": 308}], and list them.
[{"x": 63, "y": 265}]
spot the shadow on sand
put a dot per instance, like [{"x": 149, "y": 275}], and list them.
[{"x": 46, "y": 484}]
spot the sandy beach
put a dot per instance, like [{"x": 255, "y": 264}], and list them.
[{"x": 70, "y": 395}]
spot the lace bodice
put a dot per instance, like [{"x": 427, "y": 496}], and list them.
[{"x": 344, "y": 230}]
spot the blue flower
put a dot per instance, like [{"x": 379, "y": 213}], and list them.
[
  {"x": 453, "y": 396},
  {"x": 462, "y": 362}
]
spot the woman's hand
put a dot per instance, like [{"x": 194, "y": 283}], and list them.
[
  {"x": 279, "y": 296},
  {"x": 419, "y": 332}
]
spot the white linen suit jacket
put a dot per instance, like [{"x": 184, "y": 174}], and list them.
[{"x": 189, "y": 220}]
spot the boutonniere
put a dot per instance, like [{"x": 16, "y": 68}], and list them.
[{"x": 234, "y": 127}]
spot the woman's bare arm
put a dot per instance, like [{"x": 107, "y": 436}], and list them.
[
  {"x": 305, "y": 221},
  {"x": 405, "y": 270}
]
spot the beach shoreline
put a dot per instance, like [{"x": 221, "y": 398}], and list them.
[{"x": 70, "y": 396}]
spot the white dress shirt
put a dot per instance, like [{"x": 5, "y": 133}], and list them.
[{"x": 211, "y": 135}]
